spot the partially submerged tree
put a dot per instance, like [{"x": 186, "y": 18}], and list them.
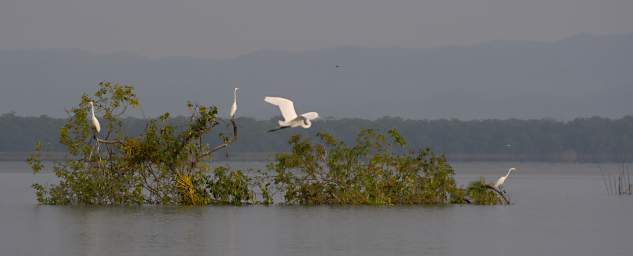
[
  {"x": 480, "y": 192},
  {"x": 373, "y": 171},
  {"x": 376, "y": 170},
  {"x": 168, "y": 164},
  {"x": 164, "y": 165}
]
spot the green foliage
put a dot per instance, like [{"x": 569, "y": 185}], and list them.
[
  {"x": 369, "y": 172},
  {"x": 163, "y": 165},
  {"x": 166, "y": 164},
  {"x": 35, "y": 160},
  {"x": 479, "y": 193}
]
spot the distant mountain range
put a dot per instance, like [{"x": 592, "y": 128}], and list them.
[{"x": 583, "y": 75}]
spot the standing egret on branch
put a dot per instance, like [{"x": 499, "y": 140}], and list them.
[
  {"x": 97, "y": 128},
  {"x": 291, "y": 119},
  {"x": 231, "y": 119},
  {"x": 234, "y": 106},
  {"x": 502, "y": 179},
  {"x": 95, "y": 121}
]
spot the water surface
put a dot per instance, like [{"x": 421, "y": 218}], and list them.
[{"x": 559, "y": 209}]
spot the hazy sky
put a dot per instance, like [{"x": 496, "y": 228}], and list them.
[{"x": 227, "y": 28}]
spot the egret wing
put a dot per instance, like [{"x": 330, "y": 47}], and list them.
[
  {"x": 233, "y": 110},
  {"x": 499, "y": 182},
  {"x": 95, "y": 123},
  {"x": 234, "y": 106},
  {"x": 286, "y": 107},
  {"x": 311, "y": 115}
]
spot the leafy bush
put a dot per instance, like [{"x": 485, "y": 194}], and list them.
[
  {"x": 168, "y": 165},
  {"x": 481, "y": 193},
  {"x": 374, "y": 171},
  {"x": 164, "y": 165}
]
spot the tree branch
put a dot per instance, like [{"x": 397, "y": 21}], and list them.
[
  {"x": 109, "y": 141},
  {"x": 225, "y": 144},
  {"x": 505, "y": 199}
]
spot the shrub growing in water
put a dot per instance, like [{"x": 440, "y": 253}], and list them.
[
  {"x": 168, "y": 165},
  {"x": 480, "y": 193},
  {"x": 373, "y": 171},
  {"x": 164, "y": 165}
]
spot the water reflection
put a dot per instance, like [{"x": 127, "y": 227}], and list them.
[{"x": 553, "y": 214}]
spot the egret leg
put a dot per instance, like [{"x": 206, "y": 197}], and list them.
[
  {"x": 98, "y": 144},
  {"x": 280, "y": 128},
  {"x": 94, "y": 137},
  {"x": 98, "y": 151}
]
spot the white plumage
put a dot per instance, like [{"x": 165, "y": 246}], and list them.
[
  {"x": 95, "y": 121},
  {"x": 502, "y": 179},
  {"x": 234, "y": 106},
  {"x": 291, "y": 119}
]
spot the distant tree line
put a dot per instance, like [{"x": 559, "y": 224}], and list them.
[{"x": 583, "y": 139}]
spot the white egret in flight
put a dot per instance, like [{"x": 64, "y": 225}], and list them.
[
  {"x": 502, "y": 179},
  {"x": 291, "y": 119},
  {"x": 95, "y": 121},
  {"x": 234, "y": 106}
]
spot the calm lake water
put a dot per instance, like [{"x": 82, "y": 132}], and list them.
[{"x": 559, "y": 209}]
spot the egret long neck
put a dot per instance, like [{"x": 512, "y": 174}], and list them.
[
  {"x": 92, "y": 110},
  {"x": 509, "y": 171},
  {"x": 234, "y": 95},
  {"x": 307, "y": 124}
]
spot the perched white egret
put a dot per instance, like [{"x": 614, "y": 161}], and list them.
[
  {"x": 234, "y": 106},
  {"x": 291, "y": 119},
  {"x": 97, "y": 127},
  {"x": 502, "y": 179},
  {"x": 95, "y": 121}
]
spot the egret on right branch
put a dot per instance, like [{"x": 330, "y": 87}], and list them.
[
  {"x": 502, "y": 179},
  {"x": 234, "y": 106},
  {"x": 291, "y": 119}
]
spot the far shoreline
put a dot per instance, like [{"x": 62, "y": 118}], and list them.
[{"x": 270, "y": 156}]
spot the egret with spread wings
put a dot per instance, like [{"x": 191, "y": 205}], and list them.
[{"x": 291, "y": 119}]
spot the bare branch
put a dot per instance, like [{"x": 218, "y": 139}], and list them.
[
  {"x": 109, "y": 141},
  {"x": 225, "y": 144}
]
